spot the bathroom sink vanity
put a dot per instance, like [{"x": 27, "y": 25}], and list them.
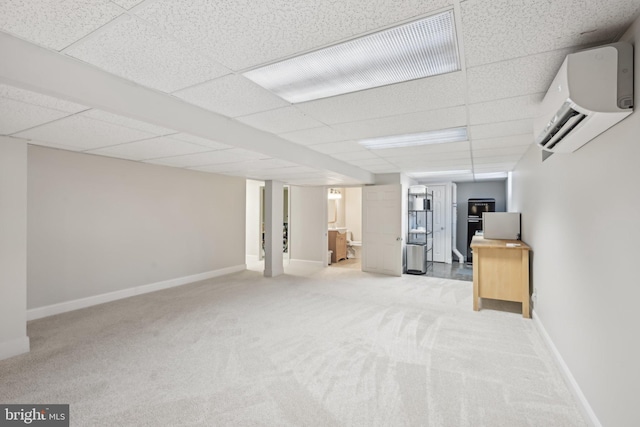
[{"x": 338, "y": 244}]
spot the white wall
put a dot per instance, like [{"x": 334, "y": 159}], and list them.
[
  {"x": 580, "y": 214},
  {"x": 308, "y": 225},
  {"x": 253, "y": 219},
  {"x": 98, "y": 225},
  {"x": 13, "y": 248}
]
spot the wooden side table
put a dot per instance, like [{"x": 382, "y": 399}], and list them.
[{"x": 501, "y": 271}]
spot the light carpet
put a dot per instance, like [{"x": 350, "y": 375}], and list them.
[{"x": 314, "y": 347}]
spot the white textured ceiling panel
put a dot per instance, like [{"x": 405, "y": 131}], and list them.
[
  {"x": 84, "y": 133},
  {"x": 38, "y": 99},
  {"x": 493, "y": 160},
  {"x": 275, "y": 29},
  {"x": 501, "y": 142},
  {"x": 424, "y": 151},
  {"x": 496, "y": 130},
  {"x": 435, "y": 157},
  {"x": 214, "y": 145},
  {"x": 208, "y": 158},
  {"x": 521, "y": 76},
  {"x": 407, "y": 123},
  {"x": 127, "y": 4},
  {"x": 370, "y": 162},
  {"x": 126, "y": 122},
  {"x": 517, "y": 108},
  {"x": 16, "y": 116},
  {"x": 318, "y": 135},
  {"x": 53, "y": 23},
  {"x": 134, "y": 50},
  {"x": 457, "y": 165},
  {"x": 150, "y": 149},
  {"x": 281, "y": 120},
  {"x": 232, "y": 96},
  {"x": 430, "y": 93},
  {"x": 338, "y": 147},
  {"x": 382, "y": 168},
  {"x": 355, "y": 155},
  {"x": 514, "y": 150},
  {"x": 495, "y": 30}
]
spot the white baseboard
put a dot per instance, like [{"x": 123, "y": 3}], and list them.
[
  {"x": 305, "y": 263},
  {"x": 63, "y": 307},
  {"x": 566, "y": 373},
  {"x": 14, "y": 347}
]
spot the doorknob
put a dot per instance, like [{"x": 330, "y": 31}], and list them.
[{"x": 398, "y": 239}]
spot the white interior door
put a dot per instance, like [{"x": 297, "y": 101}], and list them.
[
  {"x": 439, "y": 222},
  {"x": 382, "y": 229}
]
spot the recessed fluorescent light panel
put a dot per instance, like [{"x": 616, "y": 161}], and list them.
[
  {"x": 423, "y": 48},
  {"x": 412, "y": 139}
]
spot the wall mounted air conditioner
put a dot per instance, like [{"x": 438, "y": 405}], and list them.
[{"x": 592, "y": 91}]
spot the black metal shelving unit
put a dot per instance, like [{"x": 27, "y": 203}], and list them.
[{"x": 420, "y": 233}]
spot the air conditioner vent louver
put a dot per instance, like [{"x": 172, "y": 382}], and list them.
[{"x": 592, "y": 91}]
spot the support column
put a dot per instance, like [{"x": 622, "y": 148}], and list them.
[
  {"x": 13, "y": 248},
  {"x": 273, "y": 229}
]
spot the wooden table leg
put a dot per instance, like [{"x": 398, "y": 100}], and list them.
[
  {"x": 476, "y": 276},
  {"x": 526, "y": 311}
]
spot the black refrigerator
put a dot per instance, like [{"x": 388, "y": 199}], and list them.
[{"x": 475, "y": 209}]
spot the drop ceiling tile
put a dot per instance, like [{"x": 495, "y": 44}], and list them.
[
  {"x": 280, "y": 120},
  {"x": 214, "y": 145},
  {"x": 275, "y": 29},
  {"x": 55, "y": 24},
  {"x": 506, "y": 141},
  {"x": 84, "y": 133},
  {"x": 522, "y": 76},
  {"x": 208, "y": 158},
  {"x": 39, "y": 99},
  {"x": 150, "y": 149},
  {"x": 516, "y": 150},
  {"x": 496, "y": 130},
  {"x": 317, "y": 135},
  {"x": 134, "y": 50},
  {"x": 16, "y": 116},
  {"x": 424, "y": 151},
  {"x": 498, "y": 167},
  {"x": 517, "y": 108},
  {"x": 370, "y": 162},
  {"x": 495, "y": 30},
  {"x": 127, "y": 122},
  {"x": 231, "y": 95},
  {"x": 407, "y": 123},
  {"x": 492, "y": 160},
  {"x": 127, "y": 4},
  {"x": 381, "y": 168},
  {"x": 355, "y": 155},
  {"x": 434, "y": 157},
  {"x": 338, "y": 147},
  {"x": 430, "y": 93}
]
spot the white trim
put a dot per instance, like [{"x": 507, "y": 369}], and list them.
[
  {"x": 251, "y": 259},
  {"x": 14, "y": 347},
  {"x": 305, "y": 263},
  {"x": 63, "y": 307},
  {"x": 566, "y": 373}
]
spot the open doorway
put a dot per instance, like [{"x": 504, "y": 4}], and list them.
[
  {"x": 285, "y": 224},
  {"x": 344, "y": 225}
]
